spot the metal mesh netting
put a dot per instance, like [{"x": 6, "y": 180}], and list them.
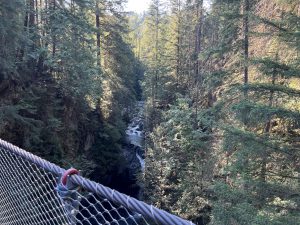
[{"x": 30, "y": 195}]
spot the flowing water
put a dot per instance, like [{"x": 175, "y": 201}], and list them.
[
  {"x": 126, "y": 177},
  {"x": 133, "y": 151},
  {"x": 135, "y": 137}
]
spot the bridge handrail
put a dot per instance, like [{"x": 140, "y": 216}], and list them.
[{"x": 158, "y": 215}]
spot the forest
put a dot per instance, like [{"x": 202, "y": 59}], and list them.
[{"x": 220, "y": 86}]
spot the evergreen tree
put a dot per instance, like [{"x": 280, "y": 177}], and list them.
[
  {"x": 226, "y": 111},
  {"x": 52, "y": 80},
  {"x": 259, "y": 145}
]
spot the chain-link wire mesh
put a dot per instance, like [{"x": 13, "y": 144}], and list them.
[
  {"x": 29, "y": 195},
  {"x": 32, "y": 192}
]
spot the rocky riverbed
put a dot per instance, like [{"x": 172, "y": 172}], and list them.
[{"x": 134, "y": 151}]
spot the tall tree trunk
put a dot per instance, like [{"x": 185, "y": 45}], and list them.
[
  {"x": 246, "y": 9},
  {"x": 139, "y": 47},
  {"x": 268, "y": 128},
  {"x": 54, "y": 36},
  {"x": 198, "y": 79},
  {"x": 156, "y": 73},
  {"x": 156, "y": 51},
  {"x": 198, "y": 34},
  {"x": 178, "y": 60},
  {"x": 28, "y": 24},
  {"x": 31, "y": 15},
  {"x": 98, "y": 35}
]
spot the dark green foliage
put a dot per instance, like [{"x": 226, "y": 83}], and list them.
[
  {"x": 261, "y": 149},
  {"x": 51, "y": 86},
  {"x": 223, "y": 118},
  {"x": 10, "y": 36}
]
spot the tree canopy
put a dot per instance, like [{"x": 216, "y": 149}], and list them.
[{"x": 220, "y": 84}]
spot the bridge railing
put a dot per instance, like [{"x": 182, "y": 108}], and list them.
[{"x": 35, "y": 191}]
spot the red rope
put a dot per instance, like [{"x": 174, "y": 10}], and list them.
[{"x": 67, "y": 173}]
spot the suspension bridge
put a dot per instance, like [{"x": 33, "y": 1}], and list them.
[{"x": 37, "y": 192}]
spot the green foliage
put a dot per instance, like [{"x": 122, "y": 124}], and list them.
[
  {"x": 221, "y": 87},
  {"x": 10, "y": 35},
  {"x": 178, "y": 152},
  {"x": 52, "y": 91},
  {"x": 259, "y": 142}
]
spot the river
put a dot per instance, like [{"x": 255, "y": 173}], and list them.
[
  {"x": 135, "y": 134},
  {"x": 134, "y": 151}
]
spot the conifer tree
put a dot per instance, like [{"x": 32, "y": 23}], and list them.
[
  {"x": 257, "y": 149},
  {"x": 51, "y": 79}
]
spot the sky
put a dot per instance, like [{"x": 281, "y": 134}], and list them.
[{"x": 140, "y": 6}]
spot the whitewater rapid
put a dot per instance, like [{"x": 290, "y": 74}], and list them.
[{"x": 135, "y": 134}]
